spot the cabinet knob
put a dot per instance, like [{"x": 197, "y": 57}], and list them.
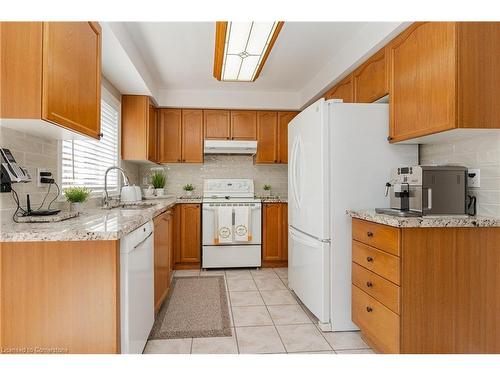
[
  {"x": 100, "y": 135},
  {"x": 369, "y": 284},
  {"x": 369, "y": 309},
  {"x": 369, "y": 234},
  {"x": 389, "y": 138},
  {"x": 179, "y": 160},
  {"x": 369, "y": 259}
]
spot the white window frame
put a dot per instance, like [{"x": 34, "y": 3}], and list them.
[{"x": 116, "y": 103}]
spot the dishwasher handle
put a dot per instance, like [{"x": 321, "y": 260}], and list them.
[{"x": 144, "y": 240}]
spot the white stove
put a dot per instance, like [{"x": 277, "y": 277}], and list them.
[{"x": 231, "y": 224}]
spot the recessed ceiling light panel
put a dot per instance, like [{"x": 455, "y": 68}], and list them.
[{"x": 241, "y": 49}]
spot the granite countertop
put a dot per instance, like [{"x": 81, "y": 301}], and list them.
[
  {"x": 276, "y": 199},
  {"x": 425, "y": 221},
  {"x": 92, "y": 224}
]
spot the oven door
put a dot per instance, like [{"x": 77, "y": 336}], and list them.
[{"x": 210, "y": 231}]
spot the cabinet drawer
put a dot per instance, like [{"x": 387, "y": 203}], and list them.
[
  {"x": 380, "y": 262},
  {"x": 379, "y": 288},
  {"x": 380, "y": 236},
  {"x": 376, "y": 321}
]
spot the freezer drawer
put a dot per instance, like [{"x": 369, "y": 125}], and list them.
[
  {"x": 308, "y": 272},
  {"x": 231, "y": 256}
]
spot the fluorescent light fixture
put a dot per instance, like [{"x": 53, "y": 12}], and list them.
[{"x": 242, "y": 48}]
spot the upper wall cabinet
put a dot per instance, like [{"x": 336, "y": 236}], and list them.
[
  {"x": 343, "y": 90},
  {"x": 217, "y": 124},
  {"x": 51, "y": 72},
  {"x": 371, "y": 80},
  {"x": 244, "y": 125},
  {"x": 272, "y": 136},
  {"x": 444, "y": 75},
  {"x": 180, "y": 135},
  {"x": 139, "y": 128}
]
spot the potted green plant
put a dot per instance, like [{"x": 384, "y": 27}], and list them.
[
  {"x": 267, "y": 189},
  {"x": 188, "y": 188},
  {"x": 76, "y": 196},
  {"x": 158, "y": 181}
]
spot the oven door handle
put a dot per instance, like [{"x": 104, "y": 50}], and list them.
[{"x": 429, "y": 198}]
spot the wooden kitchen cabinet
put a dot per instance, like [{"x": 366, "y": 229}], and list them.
[
  {"x": 180, "y": 136},
  {"x": 169, "y": 135},
  {"x": 217, "y": 124},
  {"x": 163, "y": 249},
  {"x": 244, "y": 125},
  {"x": 426, "y": 290},
  {"x": 192, "y": 136},
  {"x": 52, "y": 74},
  {"x": 371, "y": 80},
  {"x": 267, "y": 137},
  {"x": 444, "y": 76},
  {"x": 343, "y": 90},
  {"x": 274, "y": 235},
  {"x": 190, "y": 236},
  {"x": 139, "y": 128},
  {"x": 284, "y": 119}
]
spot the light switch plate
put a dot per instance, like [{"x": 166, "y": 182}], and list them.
[{"x": 475, "y": 180}]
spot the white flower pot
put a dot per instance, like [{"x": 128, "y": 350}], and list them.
[
  {"x": 189, "y": 193},
  {"x": 75, "y": 207},
  {"x": 160, "y": 192}
]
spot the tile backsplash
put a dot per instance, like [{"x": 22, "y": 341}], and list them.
[
  {"x": 481, "y": 152},
  {"x": 223, "y": 166},
  {"x": 31, "y": 152}
]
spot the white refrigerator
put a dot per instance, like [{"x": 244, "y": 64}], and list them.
[{"x": 339, "y": 159}]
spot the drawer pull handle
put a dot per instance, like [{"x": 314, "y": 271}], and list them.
[
  {"x": 369, "y": 259},
  {"x": 369, "y": 234},
  {"x": 369, "y": 284},
  {"x": 369, "y": 309}
]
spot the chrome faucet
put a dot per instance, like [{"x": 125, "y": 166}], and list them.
[{"x": 126, "y": 182}]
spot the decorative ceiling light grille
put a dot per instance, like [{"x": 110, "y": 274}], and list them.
[{"x": 242, "y": 48}]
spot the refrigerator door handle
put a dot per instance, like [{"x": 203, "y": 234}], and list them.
[
  {"x": 293, "y": 180},
  {"x": 324, "y": 240}
]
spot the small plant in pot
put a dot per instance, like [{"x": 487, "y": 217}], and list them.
[
  {"x": 267, "y": 189},
  {"x": 189, "y": 188},
  {"x": 76, "y": 196},
  {"x": 158, "y": 181}
]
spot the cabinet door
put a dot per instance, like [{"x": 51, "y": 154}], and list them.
[
  {"x": 343, "y": 90},
  {"x": 423, "y": 80},
  {"x": 192, "y": 136},
  {"x": 170, "y": 245},
  {"x": 267, "y": 137},
  {"x": 71, "y": 84},
  {"x": 284, "y": 231},
  {"x": 371, "y": 80},
  {"x": 217, "y": 125},
  {"x": 161, "y": 261},
  {"x": 271, "y": 232},
  {"x": 152, "y": 130},
  {"x": 190, "y": 233},
  {"x": 169, "y": 136},
  {"x": 176, "y": 236},
  {"x": 134, "y": 129},
  {"x": 284, "y": 119},
  {"x": 244, "y": 125}
]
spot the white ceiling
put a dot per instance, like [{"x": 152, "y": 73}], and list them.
[
  {"x": 175, "y": 60},
  {"x": 181, "y": 54}
]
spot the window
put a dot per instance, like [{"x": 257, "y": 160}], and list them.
[{"x": 84, "y": 162}]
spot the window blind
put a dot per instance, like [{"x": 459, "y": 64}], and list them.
[{"x": 84, "y": 162}]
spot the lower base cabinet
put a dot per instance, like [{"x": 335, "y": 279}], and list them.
[
  {"x": 274, "y": 235},
  {"x": 163, "y": 248},
  {"x": 426, "y": 290},
  {"x": 187, "y": 236}
]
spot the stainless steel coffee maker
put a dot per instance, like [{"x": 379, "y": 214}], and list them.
[{"x": 427, "y": 190}]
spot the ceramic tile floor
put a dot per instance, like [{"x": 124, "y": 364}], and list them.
[{"x": 266, "y": 317}]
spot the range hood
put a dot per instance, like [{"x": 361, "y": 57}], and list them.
[{"x": 230, "y": 147}]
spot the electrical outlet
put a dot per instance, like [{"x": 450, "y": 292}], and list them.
[
  {"x": 39, "y": 172},
  {"x": 474, "y": 178}
]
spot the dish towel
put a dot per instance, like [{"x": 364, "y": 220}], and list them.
[
  {"x": 242, "y": 230},
  {"x": 224, "y": 224}
]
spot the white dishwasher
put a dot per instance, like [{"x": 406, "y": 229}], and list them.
[{"x": 136, "y": 288}]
